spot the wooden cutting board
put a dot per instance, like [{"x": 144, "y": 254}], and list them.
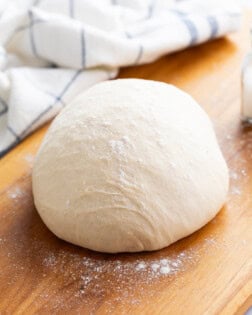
[{"x": 209, "y": 272}]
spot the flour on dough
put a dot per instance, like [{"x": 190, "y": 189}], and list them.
[{"x": 130, "y": 165}]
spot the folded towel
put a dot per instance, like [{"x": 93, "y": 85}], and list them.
[{"x": 50, "y": 51}]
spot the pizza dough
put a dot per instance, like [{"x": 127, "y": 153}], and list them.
[{"x": 130, "y": 165}]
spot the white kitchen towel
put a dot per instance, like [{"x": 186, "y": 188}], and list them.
[{"x": 51, "y": 50}]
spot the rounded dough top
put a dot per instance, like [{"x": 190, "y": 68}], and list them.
[{"x": 130, "y": 165}]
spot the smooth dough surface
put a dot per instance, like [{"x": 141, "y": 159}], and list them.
[{"x": 130, "y": 165}]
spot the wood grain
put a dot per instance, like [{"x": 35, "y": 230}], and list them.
[{"x": 41, "y": 274}]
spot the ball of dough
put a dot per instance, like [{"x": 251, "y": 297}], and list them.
[{"x": 130, "y": 165}]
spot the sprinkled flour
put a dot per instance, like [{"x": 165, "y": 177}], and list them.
[
  {"x": 235, "y": 191},
  {"x": 164, "y": 270},
  {"x": 118, "y": 146},
  {"x": 15, "y": 193},
  {"x": 90, "y": 279}
]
